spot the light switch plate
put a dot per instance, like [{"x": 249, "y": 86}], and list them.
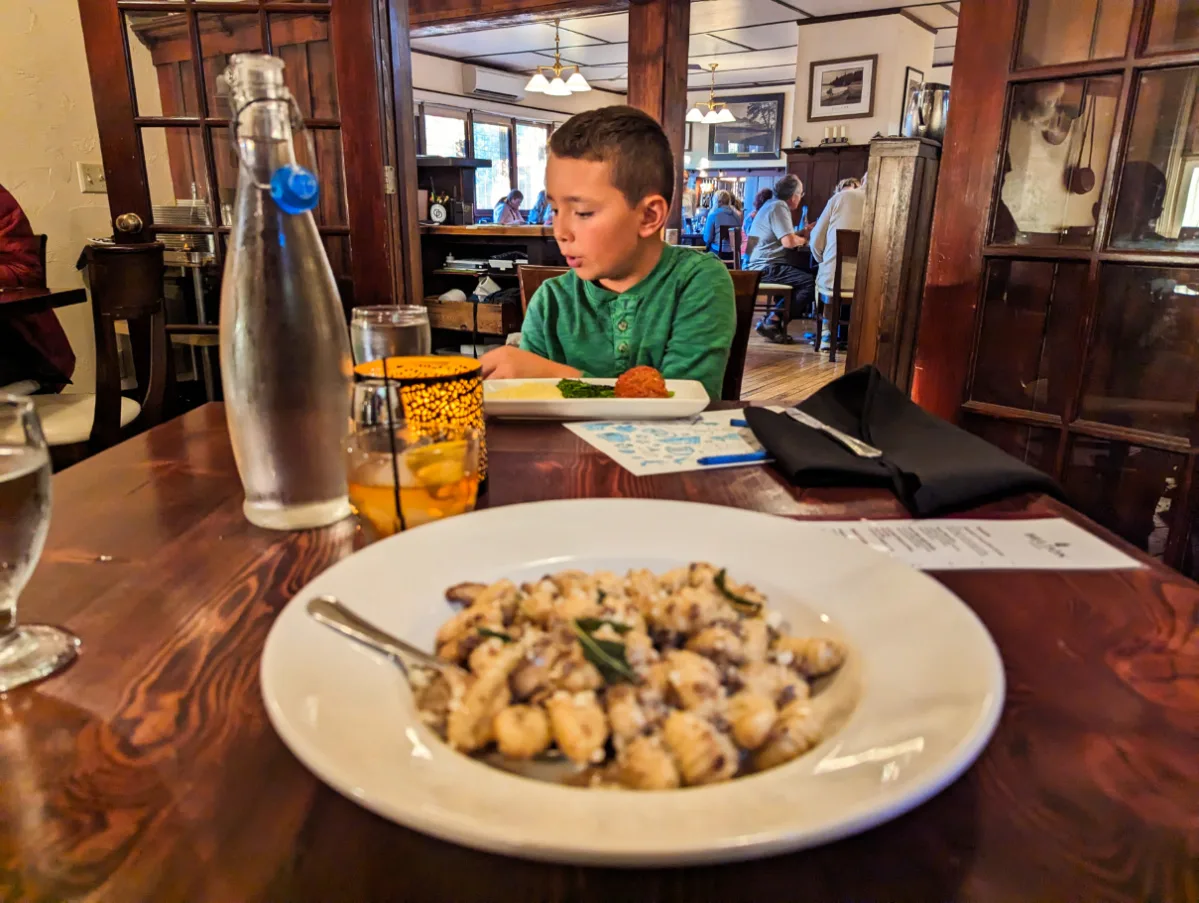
[{"x": 91, "y": 178}]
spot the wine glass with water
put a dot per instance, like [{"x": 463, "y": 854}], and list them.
[{"x": 28, "y": 652}]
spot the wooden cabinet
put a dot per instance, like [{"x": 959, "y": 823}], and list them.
[{"x": 821, "y": 168}]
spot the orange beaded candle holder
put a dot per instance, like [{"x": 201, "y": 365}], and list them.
[{"x": 436, "y": 392}]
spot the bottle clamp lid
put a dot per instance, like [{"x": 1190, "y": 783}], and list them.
[{"x": 294, "y": 188}]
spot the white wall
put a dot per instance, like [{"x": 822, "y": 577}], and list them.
[
  {"x": 898, "y": 42},
  {"x": 439, "y": 80},
  {"x": 941, "y": 74},
  {"x": 699, "y": 135},
  {"x": 48, "y": 124}
]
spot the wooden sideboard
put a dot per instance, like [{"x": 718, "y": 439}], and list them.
[{"x": 820, "y": 168}]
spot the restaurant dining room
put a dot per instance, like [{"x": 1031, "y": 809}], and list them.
[{"x": 641, "y": 450}]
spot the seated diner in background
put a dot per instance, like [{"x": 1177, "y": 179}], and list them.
[
  {"x": 538, "y": 211},
  {"x": 507, "y": 210},
  {"x": 843, "y": 211},
  {"x": 746, "y": 224},
  {"x": 771, "y": 240},
  {"x": 721, "y": 214},
  {"x": 629, "y": 299},
  {"x": 32, "y": 346}
]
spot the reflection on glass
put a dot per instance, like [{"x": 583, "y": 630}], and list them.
[
  {"x": 1055, "y": 162},
  {"x": 1143, "y": 371},
  {"x": 177, "y": 176},
  {"x": 491, "y": 185},
  {"x": 221, "y": 36},
  {"x": 1174, "y": 26},
  {"x": 302, "y": 42},
  {"x": 1034, "y": 445},
  {"x": 329, "y": 168},
  {"x": 531, "y": 144},
  {"x": 1127, "y": 488},
  {"x": 1071, "y": 31},
  {"x": 160, "y": 57},
  {"x": 1026, "y": 348},
  {"x": 445, "y": 136},
  {"x": 1158, "y": 203}
]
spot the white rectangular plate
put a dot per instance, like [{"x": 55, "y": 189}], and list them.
[{"x": 690, "y": 398}]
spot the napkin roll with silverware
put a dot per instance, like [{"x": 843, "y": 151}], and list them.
[{"x": 932, "y": 466}]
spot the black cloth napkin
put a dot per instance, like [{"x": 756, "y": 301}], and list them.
[{"x": 932, "y": 466}]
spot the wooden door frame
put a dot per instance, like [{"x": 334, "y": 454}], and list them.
[{"x": 372, "y": 259}]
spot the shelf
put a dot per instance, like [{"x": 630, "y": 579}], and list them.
[
  {"x": 455, "y": 162},
  {"x": 487, "y": 230},
  {"x": 494, "y": 319},
  {"x": 511, "y": 274}
]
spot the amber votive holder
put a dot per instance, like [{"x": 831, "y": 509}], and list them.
[{"x": 437, "y": 392}]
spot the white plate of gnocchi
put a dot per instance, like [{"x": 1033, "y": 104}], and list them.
[{"x": 632, "y": 682}]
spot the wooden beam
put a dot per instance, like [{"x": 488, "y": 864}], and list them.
[
  {"x": 658, "y": 35},
  {"x": 918, "y": 21},
  {"x": 406, "y": 219},
  {"x": 434, "y": 17},
  {"x": 969, "y": 164}
]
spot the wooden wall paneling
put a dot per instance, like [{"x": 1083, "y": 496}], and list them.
[
  {"x": 969, "y": 164},
  {"x": 432, "y": 17},
  {"x": 112, "y": 92},
  {"x": 362, "y": 146},
  {"x": 894, "y": 250},
  {"x": 406, "y": 216},
  {"x": 658, "y": 37}
]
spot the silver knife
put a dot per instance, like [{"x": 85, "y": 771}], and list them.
[{"x": 857, "y": 446}]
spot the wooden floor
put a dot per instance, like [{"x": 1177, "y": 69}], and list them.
[{"x": 786, "y": 373}]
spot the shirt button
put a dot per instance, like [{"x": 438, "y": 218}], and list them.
[
  {"x": 623, "y": 325},
  {"x": 623, "y": 348}
]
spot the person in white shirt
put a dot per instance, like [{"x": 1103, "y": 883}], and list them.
[{"x": 843, "y": 211}]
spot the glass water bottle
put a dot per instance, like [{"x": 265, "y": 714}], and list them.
[{"x": 285, "y": 354}]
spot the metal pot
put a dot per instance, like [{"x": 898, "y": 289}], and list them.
[{"x": 927, "y": 112}]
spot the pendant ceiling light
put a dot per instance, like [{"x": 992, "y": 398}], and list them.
[
  {"x": 554, "y": 85},
  {"x": 714, "y": 110}
]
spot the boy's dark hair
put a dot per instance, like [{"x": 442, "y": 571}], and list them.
[
  {"x": 629, "y": 140},
  {"x": 786, "y": 187}
]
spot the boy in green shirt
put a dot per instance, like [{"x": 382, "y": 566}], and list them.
[{"x": 629, "y": 299}]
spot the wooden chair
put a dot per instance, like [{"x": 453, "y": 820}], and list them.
[
  {"x": 847, "y": 252},
  {"x": 745, "y": 291},
  {"x": 730, "y": 237},
  {"x": 530, "y": 278},
  {"x": 126, "y": 284}
]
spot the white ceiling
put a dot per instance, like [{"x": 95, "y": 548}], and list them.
[{"x": 743, "y": 36}]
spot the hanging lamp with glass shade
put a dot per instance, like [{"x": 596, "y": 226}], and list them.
[
  {"x": 713, "y": 110},
  {"x": 555, "y": 86}
]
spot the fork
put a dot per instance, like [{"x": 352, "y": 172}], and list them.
[{"x": 855, "y": 445}]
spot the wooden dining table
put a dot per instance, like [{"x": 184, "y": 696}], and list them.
[{"x": 149, "y": 771}]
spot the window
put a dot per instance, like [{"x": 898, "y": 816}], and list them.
[
  {"x": 531, "y": 143},
  {"x": 445, "y": 135},
  {"x": 491, "y": 143}
]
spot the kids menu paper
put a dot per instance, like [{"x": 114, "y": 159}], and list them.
[{"x": 670, "y": 446}]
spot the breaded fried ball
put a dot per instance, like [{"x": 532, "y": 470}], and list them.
[{"x": 641, "y": 382}]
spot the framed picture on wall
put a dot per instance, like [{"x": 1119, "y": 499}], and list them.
[
  {"x": 842, "y": 89},
  {"x": 757, "y": 132},
  {"x": 912, "y": 79}
]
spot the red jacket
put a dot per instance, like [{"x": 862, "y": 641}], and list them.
[{"x": 33, "y": 346}]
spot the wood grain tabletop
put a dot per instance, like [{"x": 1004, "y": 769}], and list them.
[{"x": 149, "y": 771}]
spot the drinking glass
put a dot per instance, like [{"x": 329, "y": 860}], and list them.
[
  {"x": 438, "y": 472},
  {"x": 32, "y": 651},
  {"x": 389, "y": 331}
]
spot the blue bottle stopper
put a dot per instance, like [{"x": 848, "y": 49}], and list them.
[{"x": 294, "y": 188}]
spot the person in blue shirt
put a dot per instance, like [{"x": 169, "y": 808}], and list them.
[
  {"x": 507, "y": 210},
  {"x": 721, "y": 214},
  {"x": 760, "y": 198},
  {"x": 537, "y": 214}
]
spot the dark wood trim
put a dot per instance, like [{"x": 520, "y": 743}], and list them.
[
  {"x": 434, "y": 17},
  {"x": 1099, "y": 430},
  {"x": 402, "y": 143},
  {"x": 969, "y": 166},
  {"x": 907, "y": 14},
  {"x": 228, "y": 6},
  {"x": 1019, "y": 415},
  {"x": 104, "y": 43},
  {"x": 352, "y": 30},
  {"x": 873, "y": 57},
  {"x": 658, "y": 36}
]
